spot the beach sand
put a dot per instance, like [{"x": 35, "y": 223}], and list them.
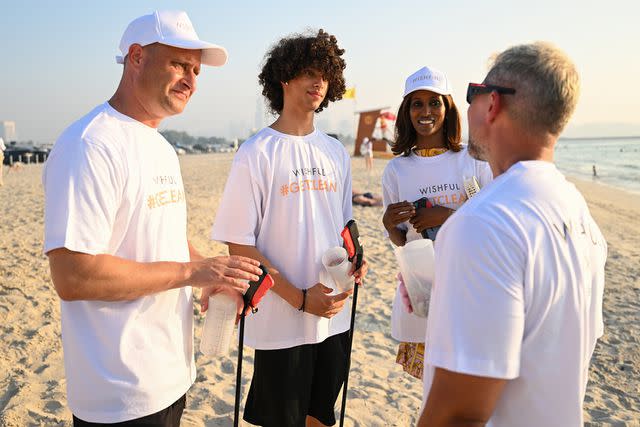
[{"x": 32, "y": 381}]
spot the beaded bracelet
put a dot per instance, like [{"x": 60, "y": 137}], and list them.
[{"x": 304, "y": 300}]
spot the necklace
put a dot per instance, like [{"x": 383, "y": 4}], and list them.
[{"x": 430, "y": 152}]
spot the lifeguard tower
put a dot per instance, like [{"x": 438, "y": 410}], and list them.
[{"x": 377, "y": 125}]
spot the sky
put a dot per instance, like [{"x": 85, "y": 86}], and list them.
[{"x": 57, "y": 58}]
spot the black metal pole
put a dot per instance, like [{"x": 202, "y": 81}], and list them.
[
  {"x": 236, "y": 409},
  {"x": 351, "y": 332}
]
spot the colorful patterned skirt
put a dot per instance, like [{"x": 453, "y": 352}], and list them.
[{"x": 411, "y": 357}]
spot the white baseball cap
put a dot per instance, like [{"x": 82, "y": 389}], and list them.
[
  {"x": 427, "y": 79},
  {"x": 172, "y": 28}
]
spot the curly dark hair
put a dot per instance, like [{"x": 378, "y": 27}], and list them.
[
  {"x": 290, "y": 56},
  {"x": 406, "y": 136}
]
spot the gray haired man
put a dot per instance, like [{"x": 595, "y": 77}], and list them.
[{"x": 516, "y": 307}]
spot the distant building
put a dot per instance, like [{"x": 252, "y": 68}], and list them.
[
  {"x": 259, "y": 117},
  {"x": 8, "y": 130}
]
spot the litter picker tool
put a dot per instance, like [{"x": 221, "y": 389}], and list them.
[
  {"x": 351, "y": 238},
  {"x": 252, "y": 297}
]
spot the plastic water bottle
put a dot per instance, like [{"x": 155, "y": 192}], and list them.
[
  {"x": 218, "y": 325},
  {"x": 416, "y": 260},
  {"x": 338, "y": 266}
]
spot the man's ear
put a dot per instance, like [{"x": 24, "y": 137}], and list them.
[
  {"x": 495, "y": 106},
  {"x": 134, "y": 57}
]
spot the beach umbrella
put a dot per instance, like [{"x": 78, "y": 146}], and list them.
[{"x": 388, "y": 115}]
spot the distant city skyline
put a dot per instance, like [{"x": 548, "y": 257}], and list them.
[
  {"x": 347, "y": 128},
  {"x": 60, "y": 63}
]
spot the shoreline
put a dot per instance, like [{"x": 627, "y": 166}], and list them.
[
  {"x": 586, "y": 180},
  {"x": 600, "y": 138},
  {"x": 584, "y": 184}
]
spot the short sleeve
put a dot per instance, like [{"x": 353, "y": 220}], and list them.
[
  {"x": 476, "y": 313},
  {"x": 239, "y": 215},
  {"x": 390, "y": 190},
  {"x": 83, "y": 189}
]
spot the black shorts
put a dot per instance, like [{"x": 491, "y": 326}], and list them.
[
  {"x": 291, "y": 383},
  {"x": 168, "y": 417}
]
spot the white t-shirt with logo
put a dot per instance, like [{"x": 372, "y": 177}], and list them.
[
  {"x": 290, "y": 197},
  {"x": 440, "y": 179},
  {"x": 113, "y": 186},
  {"x": 518, "y": 295}
]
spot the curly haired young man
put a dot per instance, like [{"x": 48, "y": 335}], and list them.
[{"x": 286, "y": 200}]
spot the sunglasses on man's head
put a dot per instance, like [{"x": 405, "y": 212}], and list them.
[{"x": 479, "y": 88}]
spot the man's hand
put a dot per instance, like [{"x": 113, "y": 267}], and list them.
[
  {"x": 430, "y": 217},
  {"x": 222, "y": 288},
  {"x": 320, "y": 303},
  {"x": 217, "y": 289},
  {"x": 224, "y": 271},
  {"x": 359, "y": 274},
  {"x": 397, "y": 213}
]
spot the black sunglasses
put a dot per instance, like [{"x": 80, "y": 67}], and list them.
[{"x": 479, "y": 88}]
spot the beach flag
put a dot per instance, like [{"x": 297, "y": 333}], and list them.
[{"x": 349, "y": 93}]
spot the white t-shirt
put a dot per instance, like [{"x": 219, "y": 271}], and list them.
[
  {"x": 439, "y": 178},
  {"x": 518, "y": 295},
  {"x": 290, "y": 197},
  {"x": 113, "y": 186}
]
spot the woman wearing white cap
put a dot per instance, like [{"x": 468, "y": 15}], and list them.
[{"x": 430, "y": 165}]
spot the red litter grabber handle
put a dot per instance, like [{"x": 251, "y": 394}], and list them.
[
  {"x": 351, "y": 238},
  {"x": 258, "y": 289}
]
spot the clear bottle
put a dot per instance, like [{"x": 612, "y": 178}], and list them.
[{"x": 218, "y": 325}]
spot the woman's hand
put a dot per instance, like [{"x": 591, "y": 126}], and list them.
[
  {"x": 397, "y": 213},
  {"x": 430, "y": 217}
]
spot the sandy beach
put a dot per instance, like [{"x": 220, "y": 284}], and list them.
[{"x": 32, "y": 381}]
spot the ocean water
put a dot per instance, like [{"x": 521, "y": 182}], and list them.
[{"x": 617, "y": 160}]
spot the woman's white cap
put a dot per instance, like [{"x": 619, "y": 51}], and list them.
[
  {"x": 427, "y": 78},
  {"x": 172, "y": 28}
]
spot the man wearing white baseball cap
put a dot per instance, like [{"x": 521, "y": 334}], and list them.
[{"x": 116, "y": 237}]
